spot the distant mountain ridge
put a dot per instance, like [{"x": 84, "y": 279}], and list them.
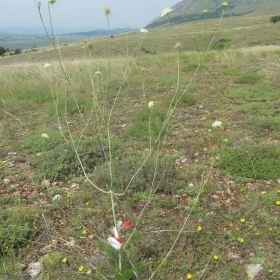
[
  {"x": 39, "y": 30},
  {"x": 191, "y": 10}
]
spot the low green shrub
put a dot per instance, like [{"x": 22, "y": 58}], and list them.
[
  {"x": 15, "y": 230},
  {"x": 221, "y": 44},
  {"x": 62, "y": 163},
  {"x": 257, "y": 93},
  {"x": 34, "y": 143},
  {"x": 148, "y": 123},
  {"x": 166, "y": 179},
  {"x": 231, "y": 71},
  {"x": 259, "y": 162},
  {"x": 249, "y": 78},
  {"x": 268, "y": 109},
  {"x": 31, "y": 94},
  {"x": 66, "y": 107},
  {"x": 259, "y": 124},
  {"x": 187, "y": 99}
]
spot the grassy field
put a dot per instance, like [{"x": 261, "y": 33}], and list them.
[{"x": 206, "y": 196}]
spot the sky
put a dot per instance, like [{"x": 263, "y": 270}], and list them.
[{"x": 84, "y": 13}]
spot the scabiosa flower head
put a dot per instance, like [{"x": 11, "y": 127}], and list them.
[
  {"x": 225, "y": 4},
  {"x": 45, "y": 135},
  {"x": 106, "y": 10},
  {"x": 177, "y": 46},
  {"x": 143, "y": 30},
  {"x": 151, "y": 104},
  {"x": 205, "y": 11},
  {"x": 166, "y": 11},
  {"x": 52, "y": 1},
  {"x": 47, "y": 65},
  {"x": 216, "y": 124},
  {"x": 89, "y": 45}
]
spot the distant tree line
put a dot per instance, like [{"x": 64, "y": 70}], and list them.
[
  {"x": 274, "y": 19},
  {"x": 4, "y": 50}
]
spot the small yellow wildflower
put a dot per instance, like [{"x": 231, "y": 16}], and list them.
[
  {"x": 68, "y": 194},
  {"x": 225, "y": 4},
  {"x": 277, "y": 202},
  {"x": 88, "y": 271},
  {"x": 269, "y": 228},
  {"x": 263, "y": 192},
  {"x": 189, "y": 276},
  {"x": 38, "y": 154},
  {"x": 81, "y": 268},
  {"x": 278, "y": 191},
  {"x": 199, "y": 228},
  {"x": 241, "y": 240},
  {"x": 205, "y": 11},
  {"x": 84, "y": 232},
  {"x": 270, "y": 271},
  {"x": 87, "y": 203},
  {"x": 64, "y": 260},
  {"x": 52, "y": 1},
  {"x": 215, "y": 257},
  {"x": 242, "y": 220}
]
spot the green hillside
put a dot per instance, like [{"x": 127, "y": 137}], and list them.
[{"x": 191, "y": 10}]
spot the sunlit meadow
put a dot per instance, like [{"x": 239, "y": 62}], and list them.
[{"x": 125, "y": 159}]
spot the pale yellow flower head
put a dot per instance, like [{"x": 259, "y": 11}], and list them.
[
  {"x": 205, "y": 11},
  {"x": 166, "y": 11},
  {"x": 177, "y": 46},
  {"x": 225, "y": 4},
  {"x": 106, "y": 10},
  {"x": 45, "y": 135},
  {"x": 89, "y": 45},
  {"x": 52, "y": 1}
]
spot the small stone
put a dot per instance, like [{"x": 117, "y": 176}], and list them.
[
  {"x": 10, "y": 164},
  {"x": 209, "y": 213},
  {"x": 56, "y": 197},
  {"x": 215, "y": 196},
  {"x": 75, "y": 186},
  {"x": 233, "y": 256},
  {"x": 228, "y": 191},
  {"x": 254, "y": 270},
  {"x": 6, "y": 181},
  {"x": 34, "y": 269}
]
